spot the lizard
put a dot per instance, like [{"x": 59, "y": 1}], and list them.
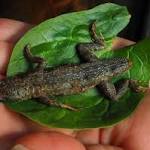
[{"x": 43, "y": 83}]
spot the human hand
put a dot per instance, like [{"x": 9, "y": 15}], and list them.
[{"x": 131, "y": 134}]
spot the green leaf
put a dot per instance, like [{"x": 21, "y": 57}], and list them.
[{"x": 55, "y": 40}]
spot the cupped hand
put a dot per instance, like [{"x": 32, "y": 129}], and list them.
[{"x": 131, "y": 134}]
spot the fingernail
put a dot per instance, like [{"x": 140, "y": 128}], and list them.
[{"x": 19, "y": 147}]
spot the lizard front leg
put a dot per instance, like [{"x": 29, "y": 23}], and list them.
[
  {"x": 33, "y": 59},
  {"x": 99, "y": 39},
  {"x": 86, "y": 50}
]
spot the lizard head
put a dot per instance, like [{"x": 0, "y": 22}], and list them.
[{"x": 119, "y": 65}]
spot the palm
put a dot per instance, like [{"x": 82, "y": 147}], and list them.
[{"x": 131, "y": 134}]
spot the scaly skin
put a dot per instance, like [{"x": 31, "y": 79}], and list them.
[{"x": 64, "y": 80}]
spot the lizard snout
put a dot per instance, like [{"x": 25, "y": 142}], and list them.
[{"x": 120, "y": 65}]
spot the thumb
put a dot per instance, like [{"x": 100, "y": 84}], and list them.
[
  {"x": 103, "y": 147},
  {"x": 47, "y": 141}
]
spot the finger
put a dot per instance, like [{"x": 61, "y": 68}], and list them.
[
  {"x": 5, "y": 53},
  {"x": 103, "y": 147},
  {"x": 48, "y": 141},
  {"x": 132, "y": 133},
  {"x": 139, "y": 134},
  {"x": 116, "y": 135},
  {"x": 12, "y": 30},
  {"x": 121, "y": 42},
  {"x": 88, "y": 136},
  {"x": 12, "y": 126}
]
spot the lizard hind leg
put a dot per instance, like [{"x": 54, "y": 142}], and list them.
[
  {"x": 114, "y": 92},
  {"x": 46, "y": 100},
  {"x": 32, "y": 59}
]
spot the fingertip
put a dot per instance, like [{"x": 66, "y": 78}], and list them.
[
  {"x": 90, "y": 136},
  {"x": 12, "y": 30},
  {"x": 5, "y": 53},
  {"x": 121, "y": 42},
  {"x": 49, "y": 141}
]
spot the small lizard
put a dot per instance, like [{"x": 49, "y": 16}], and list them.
[{"x": 42, "y": 83}]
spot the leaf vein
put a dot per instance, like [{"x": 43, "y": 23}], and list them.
[{"x": 142, "y": 65}]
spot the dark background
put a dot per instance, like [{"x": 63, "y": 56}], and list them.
[{"x": 35, "y": 11}]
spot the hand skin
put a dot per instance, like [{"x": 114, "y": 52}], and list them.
[{"x": 131, "y": 134}]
